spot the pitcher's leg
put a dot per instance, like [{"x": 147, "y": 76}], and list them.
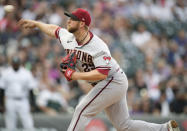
[
  {"x": 118, "y": 114},
  {"x": 77, "y": 119},
  {"x": 100, "y": 97}
]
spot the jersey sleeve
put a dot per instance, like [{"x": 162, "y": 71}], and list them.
[
  {"x": 63, "y": 36},
  {"x": 57, "y": 32},
  {"x": 103, "y": 71},
  {"x": 102, "y": 62}
]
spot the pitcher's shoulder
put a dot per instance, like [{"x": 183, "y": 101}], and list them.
[{"x": 99, "y": 44}]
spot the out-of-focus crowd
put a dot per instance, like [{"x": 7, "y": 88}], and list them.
[{"x": 148, "y": 38}]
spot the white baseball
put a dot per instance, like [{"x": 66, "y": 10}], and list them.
[{"x": 8, "y": 8}]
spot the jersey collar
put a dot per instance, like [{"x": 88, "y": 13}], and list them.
[{"x": 80, "y": 44}]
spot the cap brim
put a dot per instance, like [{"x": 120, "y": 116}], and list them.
[{"x": 71, "y": 16}]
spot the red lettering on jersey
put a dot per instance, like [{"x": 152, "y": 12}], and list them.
[
  {"x": 85, "y": 58},
  {"x": 107, "y": 58}
]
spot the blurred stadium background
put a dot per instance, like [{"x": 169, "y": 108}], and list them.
[{"x": 147, "y": 37}]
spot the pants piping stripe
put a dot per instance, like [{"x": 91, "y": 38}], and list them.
[{"x": 90, "y": 103}]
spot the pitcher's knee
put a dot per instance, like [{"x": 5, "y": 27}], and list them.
[
  {"x": 87, "y": 112},
  {"x": 124, "y": 125},
  {"x": 78, "y": 109}
]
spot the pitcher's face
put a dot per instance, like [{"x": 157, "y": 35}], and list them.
[{"x": 72, "y": 25}]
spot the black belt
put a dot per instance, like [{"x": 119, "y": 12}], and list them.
[{"x": 17, "y": 98}]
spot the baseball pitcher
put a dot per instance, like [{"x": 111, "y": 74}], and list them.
[{"x": 89, "y": 59}]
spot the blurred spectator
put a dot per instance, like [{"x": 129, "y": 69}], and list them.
[
  {"x": 29, "y": 14},
  {"x": 152, "y": 80},
  {"x": 180, "y": 10},
  {"x": 162, "y": 105},
  {"x": 141, "y": 36},
  {"x": 52, "y": 101},
  {"x": 181, "y": 40},
  {"x": 163, "y": 70},
  {"x": 139, "y": 80},
  {"x": 179, "y": 104},
  {"x": 173, "y": 54},
  {"x": 136, "y": 107},
  {"x": 156, "y": 10},
  {"x": 146, "y": 105},
  {"x": 55, "y": 16},
  {"x": 144, "y": 9}
]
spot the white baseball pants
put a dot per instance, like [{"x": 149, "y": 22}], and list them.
[{"x": 111, "y": 97}]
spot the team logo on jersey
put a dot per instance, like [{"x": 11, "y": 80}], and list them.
[
  {"x": 107, "y": 58},
  {"x": 69, "y": 41}
]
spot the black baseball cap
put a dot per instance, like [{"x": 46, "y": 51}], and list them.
[
  {"x": 80, "y": 15},
  {"x": 71, "y": 16}
]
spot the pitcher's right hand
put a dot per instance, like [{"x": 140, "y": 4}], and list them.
[{"x": 27, "y": 24}]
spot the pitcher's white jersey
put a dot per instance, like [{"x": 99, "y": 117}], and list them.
[
  {"x": 108, "y": 94},
  {"x": 92, "y": 55}
]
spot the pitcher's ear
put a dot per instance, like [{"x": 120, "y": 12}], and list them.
[{"x": 82, "y": 24}]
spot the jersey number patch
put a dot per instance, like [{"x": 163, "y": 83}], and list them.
[{"x": 88, "y": 67}]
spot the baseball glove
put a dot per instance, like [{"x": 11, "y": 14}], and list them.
[{"x": 67, "y": 66}]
